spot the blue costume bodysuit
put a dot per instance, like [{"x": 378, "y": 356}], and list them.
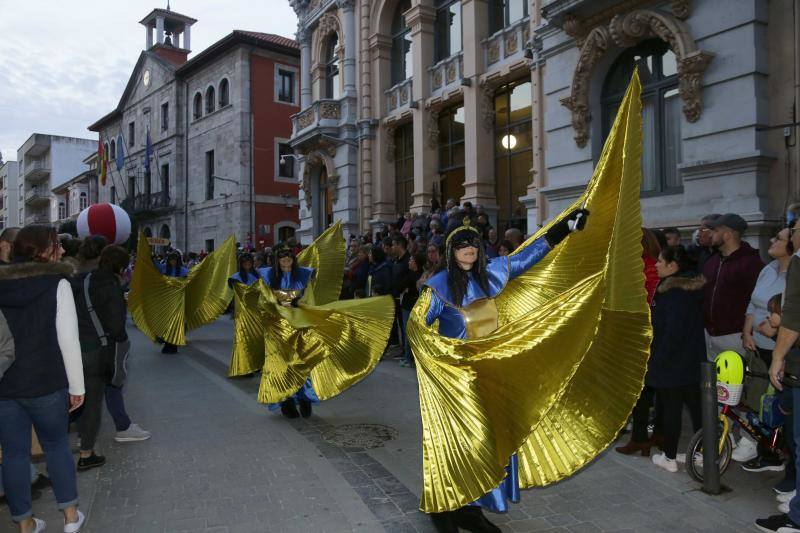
[
  {"x": 292, "y": 289},
  {"x": 474, "y": 315}
]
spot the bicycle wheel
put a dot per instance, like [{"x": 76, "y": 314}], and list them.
[{"x": 694, "y": 455}]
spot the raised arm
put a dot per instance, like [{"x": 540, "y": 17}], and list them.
[{"x": 531, "y": 254}]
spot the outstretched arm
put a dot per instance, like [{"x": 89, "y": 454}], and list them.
[{"x": 531, "y": 254}]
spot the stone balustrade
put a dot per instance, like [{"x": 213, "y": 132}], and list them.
[
  {"x": 399, "y": 97},
  {"x": 508, "y": 44}
]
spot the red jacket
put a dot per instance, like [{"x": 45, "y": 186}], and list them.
[{"x": 729, "y": 283}]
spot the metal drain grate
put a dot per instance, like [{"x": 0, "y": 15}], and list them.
[{"x": 360, "y": 435}]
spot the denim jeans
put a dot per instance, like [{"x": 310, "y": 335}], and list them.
[
  {"x": 34, "y": 477},
  {"x": 115, "y": 405},
  {"x": 49, "y": 416}
]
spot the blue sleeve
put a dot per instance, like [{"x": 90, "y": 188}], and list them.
[
  {"x": 435, "y": 309},
  {"x": 527, "y": 257}
]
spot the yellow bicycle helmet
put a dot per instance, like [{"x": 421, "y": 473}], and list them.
[{"x": 730, "y": 368}]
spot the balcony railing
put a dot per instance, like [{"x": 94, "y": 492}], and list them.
[
  {"x": 319, "y": 114},
  {"x": 147, "y": 203},
  {"x": 37, "y": 194},
  {"x": 37, "y": 170},
  {"x": 446, "y": 75},
  {"x": 507, "y": 44},
  {"x": 399, "y": 96},
  {"x": 37, "y": 219}
]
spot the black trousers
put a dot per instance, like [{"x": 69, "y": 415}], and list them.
[
  {"x": 641, "y": 415},
  {"x": 673, "y": 399},
  {"x": 91, "y": 414}
]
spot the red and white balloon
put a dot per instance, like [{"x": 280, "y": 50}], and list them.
[{"x": 108, "y": 220}]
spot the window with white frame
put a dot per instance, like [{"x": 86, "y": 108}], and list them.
[
  {"x": 285, "y": 161},
  {"x": 83, "y": 201}
]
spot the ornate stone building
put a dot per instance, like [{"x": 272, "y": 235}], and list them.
[
  {"x": 507, "y": 103},
  {"x": 216, "y": 127}
]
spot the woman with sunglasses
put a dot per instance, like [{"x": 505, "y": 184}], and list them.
[
  {"x": 462, "y": 301},
  {"x": 288, "y": 280}
]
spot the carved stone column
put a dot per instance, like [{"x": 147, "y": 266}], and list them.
[
  {"x": 304, "y": 38},
  {"x": 348, "y": 8},
  {"x": 421, "y": 18},
  {"x": 383, "y": 189},
  {"x": 479, "y": 182}
]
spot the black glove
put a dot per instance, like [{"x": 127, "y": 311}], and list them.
[{"x": 575, "y": 221}]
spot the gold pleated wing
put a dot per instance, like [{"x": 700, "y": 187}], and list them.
[
  {"x": 326, "y": 255},
  {"x": 557, "y": 380},
  {"x": 335, "y": 343},
  {"x": 248, "y": 330},
  {"x": 207, "y": 291},
  {"x": 165, "y": 307}
]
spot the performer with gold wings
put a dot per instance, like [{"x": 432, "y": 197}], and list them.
[
  {"x": 310, "y": 346},
  {"x": 526, "y": 374},
  {"x": 164, "y": 305}
]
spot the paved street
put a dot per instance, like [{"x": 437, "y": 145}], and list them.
[{"x": 219, "y": 462}]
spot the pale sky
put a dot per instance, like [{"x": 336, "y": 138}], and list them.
[{"x": 64, "y": 64}]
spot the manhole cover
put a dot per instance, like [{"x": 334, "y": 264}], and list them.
[{"x": 360, "y": 435}]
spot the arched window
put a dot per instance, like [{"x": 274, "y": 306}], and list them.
[
  {"x": 401, "y": 44},
  {"x": 210, "y": 103},
  {"x": 332, "y": 87},
  {"x": 148, "y": 232},
  {"x": 198, "y": 105},
  {"x": 224, "y": 98},
  {"x": 83, "y": 201},
  {"x": 448, "y": 28},
  {"x": 661, "y": 113}
]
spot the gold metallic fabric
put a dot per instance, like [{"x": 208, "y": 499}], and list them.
[
  {"x": 480, "y": 317},
  {"x": 285, "y": 297},
  {"x": 336, "y": 343},
  {"x": 556, "y": 381},
  {"x": 165, "y": 307},
  {"x": 248, "y": 347}
]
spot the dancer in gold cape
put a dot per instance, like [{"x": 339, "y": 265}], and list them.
[
  {"x": 313, "y": 347},
  {"x": 166, "y": 306},
  {"x": 539, "y": 372}
]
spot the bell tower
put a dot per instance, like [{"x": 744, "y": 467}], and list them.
[{"x": 172, "y": 34}]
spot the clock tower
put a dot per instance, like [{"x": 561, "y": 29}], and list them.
[{"x": 172, "y": 34}]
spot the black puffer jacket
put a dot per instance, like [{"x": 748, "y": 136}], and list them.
[
  {"x": 106, "y": 295},
  {"x": 679, "y": 344}
]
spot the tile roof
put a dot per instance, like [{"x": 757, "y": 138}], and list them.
[{"x": 271, "y": 38}]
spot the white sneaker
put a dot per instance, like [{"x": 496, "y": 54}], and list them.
[
  {"x": 133, "y": 434},
  {"x": 746, "y": 450},
  {"x": 786, "y": 496},
  {"x": 670, "y": 465},
  {"x": 38, "y": 525},
  {"x": 784, "y": 508},
  {"x": 74, "y": 527}
]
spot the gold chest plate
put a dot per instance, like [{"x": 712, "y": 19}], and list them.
[
  {"x": 480, "y": 317},
  {"x": 285, "y": 297}
]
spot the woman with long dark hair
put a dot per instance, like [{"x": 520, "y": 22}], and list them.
[
  {"x": 462, "y": 300},
  {"x": 247, "y": 273},
  {"x": 45, "y": 381},
  {"x": 288, "y": 280},
  {"x": 678, "y": 348}
]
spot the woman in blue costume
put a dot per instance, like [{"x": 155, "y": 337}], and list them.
[
  {"x": 173, "y": 267},
  {"x": 247, "y": 273},
  {"x": 462, "y": 301},
  {"x": 288, "y": 280}
]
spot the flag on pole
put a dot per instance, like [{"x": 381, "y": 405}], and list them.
[{"x": 102, "y": 161}]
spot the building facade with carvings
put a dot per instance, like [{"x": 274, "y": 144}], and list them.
[
  {"x": 506, "y": 103},
  {"x": 195, "y": 144}
]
